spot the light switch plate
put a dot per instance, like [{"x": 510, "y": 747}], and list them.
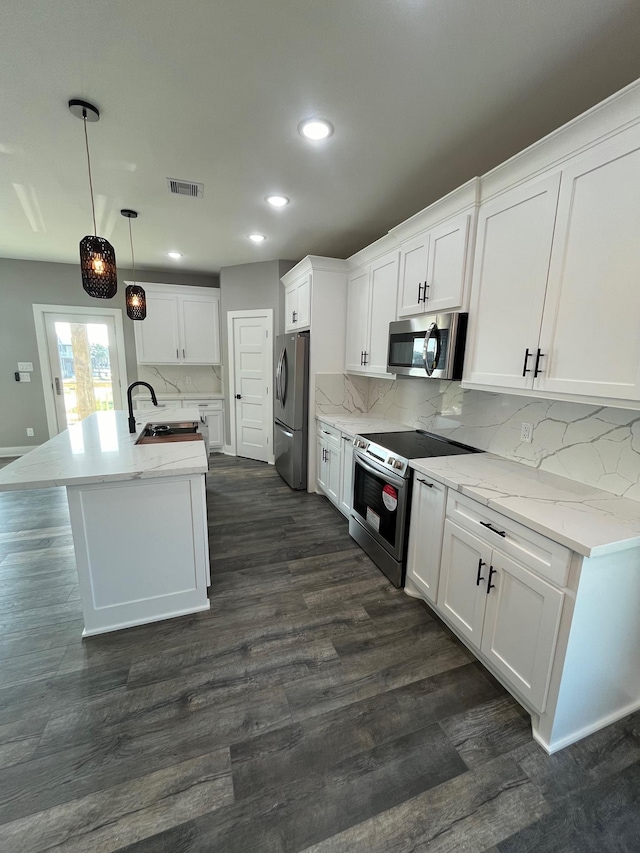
[
  {"x": 25, "y": 377},
  {"x": 25, "y": 365}
]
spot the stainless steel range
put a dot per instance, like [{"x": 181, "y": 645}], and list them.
[{"x": 382, "y": 492}]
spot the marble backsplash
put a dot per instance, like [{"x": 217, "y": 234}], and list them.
[
  {"x": 172, "y": 379},
  {"x": 596, "y": 445}
]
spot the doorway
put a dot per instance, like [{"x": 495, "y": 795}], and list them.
[
  {"x": 82, "y": 359},
  {"x": 250, "y": 342}
]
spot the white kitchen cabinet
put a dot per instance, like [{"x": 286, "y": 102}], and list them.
[
  {"x": 346, "y": 476},
  {"x": 329, "y": 461},
  {"x": 521, "y": 624},
  {"x": 371, "y": 307},
  {"x": 213, "y": 413},
  {"x": 513, "y": 248},
  {"x": 590, "y": 337},
  {"x": 461, "y": 592},
  {"x": 433, "y": 268},
  {"x": 182, "y": 326},
  {"x": 425, "y": 535},
  {"x": 297, "y": 304},
  {"x": 513, "y": 623},
  {"x": 158, "y": 336}
]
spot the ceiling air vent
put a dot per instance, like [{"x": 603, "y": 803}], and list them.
[{"x": 188, "y": 188}]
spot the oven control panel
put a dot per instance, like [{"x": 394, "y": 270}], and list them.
[{"x": 381, "y": 455}]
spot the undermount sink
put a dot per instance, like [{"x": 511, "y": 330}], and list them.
[{"x": 156, "y": 433}]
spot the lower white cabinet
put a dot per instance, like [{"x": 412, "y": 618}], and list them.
[
  {"x": 425, "y": 544},
  {"x": 507, "y": 612},
  {"x": 346, "y": 477},
  {"x": 329, "y": 470},
  {"x": 213, "y": 413}
]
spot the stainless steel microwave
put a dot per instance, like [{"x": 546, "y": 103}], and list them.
[{"x": 429, "y": 346}]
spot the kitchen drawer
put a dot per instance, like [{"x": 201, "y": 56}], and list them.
[
  {"x": 210, "y": 405},
  {"x": 330, "y": 434},
  {"x": 544, "y": 556}
]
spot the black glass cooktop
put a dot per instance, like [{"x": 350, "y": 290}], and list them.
[{"x": 417, "y": 444}]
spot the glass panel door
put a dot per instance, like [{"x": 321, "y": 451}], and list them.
[{"x": 84, "y": 366}]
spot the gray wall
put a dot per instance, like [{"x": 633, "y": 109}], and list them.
[
  {"x": 244, "y": 288},
  {"x": 23, "y": 283}
]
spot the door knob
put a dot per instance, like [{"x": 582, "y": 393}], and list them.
[{"x": 238, "y": 396}]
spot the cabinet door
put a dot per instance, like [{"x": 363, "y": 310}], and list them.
[
  {"x": 590, "y": 336},
  {"x": 200, "y": 326},
  {"x": 520, "y": 628},
  {"x": 461, "y": 595},
  {"x": 447, "y": 265},
  {"x": 357, "y": 320},
  {"x": 414, "y": 257},
  {"x": 384, "y": 293},
  {"x": 157, "y": 337},
  {"x": 513, "y": 248},
  {"x": 346, "y": 479},
  {"x": 322, "y": 472},
  {"x": 425, "y": 535},
  {"x": 303, "y": 309},
  {"x": 291, "y": 308},
  {"x": 215, "y": 423},
  {"x": 334, "y": 457}
]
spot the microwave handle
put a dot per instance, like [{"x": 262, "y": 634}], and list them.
[{"x": 433, "y": 328}]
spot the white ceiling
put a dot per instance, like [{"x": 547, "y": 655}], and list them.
[{"x": 424, "y": 94}]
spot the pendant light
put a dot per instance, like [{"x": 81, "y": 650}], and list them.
[
  {"x": 97, "y": 257},
  {"x": 135, "y": 296}
]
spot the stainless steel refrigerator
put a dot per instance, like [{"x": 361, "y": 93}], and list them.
[{"x": 291, "y": 408}]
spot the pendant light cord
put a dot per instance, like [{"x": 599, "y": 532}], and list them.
[
  {"x": 133, "y": 260},
  {"x": 93, "y": 206}
]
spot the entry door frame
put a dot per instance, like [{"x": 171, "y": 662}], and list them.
[
  {"x": 265, "y": 314},
  {"x": 39, "y": 312}
]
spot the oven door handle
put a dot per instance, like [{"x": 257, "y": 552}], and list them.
[{"x": 393, "y": 479}]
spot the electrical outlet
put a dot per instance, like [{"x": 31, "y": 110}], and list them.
[
  {"x": 25, "y": 365},
  {"x": 25, "y": 377},
  {"x": 187, "y": 380},
  {"x": 526, "y": 433},
  {"x": 30, "y": 432}
]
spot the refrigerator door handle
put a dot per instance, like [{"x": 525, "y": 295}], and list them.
[
  {"x": 285, "y": 377},
  {"x": 278, "y": 378}
]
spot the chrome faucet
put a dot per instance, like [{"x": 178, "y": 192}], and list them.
[{"x": 132, "y": 420}]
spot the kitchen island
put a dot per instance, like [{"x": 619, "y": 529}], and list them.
[{"x": 138, "y": 516}]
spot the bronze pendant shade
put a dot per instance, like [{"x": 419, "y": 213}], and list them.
[
  {"x": 135, "y": 296},
  {"x": 97, "y": 256},
  {"x": 98, "y": 267}
]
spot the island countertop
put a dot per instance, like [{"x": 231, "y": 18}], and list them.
[
  {"x": 100, "y": 449},
  {"x": 585, "y": 519}
]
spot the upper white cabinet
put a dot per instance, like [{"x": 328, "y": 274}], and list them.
[
  {"x": 433, "y": 268},
  {"x": 297, "y": 304},
  {"x": 371, "y": 307},
  {"x": 182, "y": 326},
  {"x": 555, "y": 308},
  {"x": 513, "y": 248},
  {"x": 436, "y": 248}
]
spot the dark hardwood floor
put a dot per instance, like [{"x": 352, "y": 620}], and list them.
[{"x": 314, "y": 708}]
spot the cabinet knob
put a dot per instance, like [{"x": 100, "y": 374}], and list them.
[{"x": 238, "y": 396}]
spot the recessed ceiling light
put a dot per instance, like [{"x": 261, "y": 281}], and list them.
[
  {"x": 257, "y": 238},
  {"x": 315, "y": 128},
  {"x": 175, "y": 255},
  {"x": 277, "y": 200}
]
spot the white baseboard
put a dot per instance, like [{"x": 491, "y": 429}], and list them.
[
  {"x": 228, "y": 450},
  {"x": 16, "y": 451}
]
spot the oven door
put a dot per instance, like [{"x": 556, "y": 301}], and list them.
[{"x": 379, "y": 504}]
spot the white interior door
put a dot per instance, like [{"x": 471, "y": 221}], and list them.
[
  {"x": 252, "y": 360},
  {"x": 84, "y": 364}
]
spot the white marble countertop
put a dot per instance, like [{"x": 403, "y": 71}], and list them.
[
  {"x": 585, "y": 519},
  {"x": 358, "y": 424},
  {"x": 100, "y": 449}
]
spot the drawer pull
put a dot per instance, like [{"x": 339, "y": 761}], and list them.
[
  {"x": 425, "y": 483},
  {"x": 493, "y": 529},
  {"x": 479, "y": 578},
  {"x": 490, "y": 585}
]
